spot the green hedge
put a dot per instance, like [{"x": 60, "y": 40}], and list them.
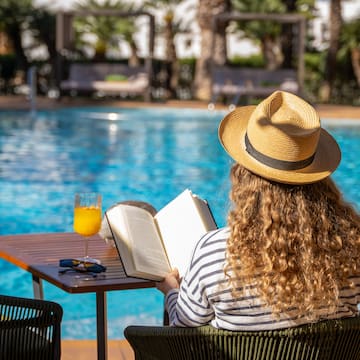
[{"x": 252, "y": 61}]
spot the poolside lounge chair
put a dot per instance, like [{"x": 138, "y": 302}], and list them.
[
  {"x": 236, "y": 83},
  {"x": 106, "y": 79},
  {"x": 29, "y": 329},
  {"x": 326, "y": 340}
]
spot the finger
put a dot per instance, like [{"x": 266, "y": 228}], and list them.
[{"x": 175, "y": 272}]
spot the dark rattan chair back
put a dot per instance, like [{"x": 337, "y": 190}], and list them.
[
  {"x": 326, "y": 340},
  {"x": 29, "y": 329}
]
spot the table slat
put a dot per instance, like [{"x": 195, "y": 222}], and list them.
[{"x": 40, "y": 254}]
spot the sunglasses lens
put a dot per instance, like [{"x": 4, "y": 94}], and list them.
[{"x": 82, "y": 266}]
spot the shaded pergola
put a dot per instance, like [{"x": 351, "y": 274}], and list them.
[
  {"x": 65, "y": 34},
  {"x": 296, "y": 20}
]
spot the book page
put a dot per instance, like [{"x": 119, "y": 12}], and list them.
[
  {"x": 181, "y": 226},
  {"x": 138, "y": 242}
]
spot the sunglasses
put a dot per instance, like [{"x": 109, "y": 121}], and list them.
[{"x": 80, "y": 266}]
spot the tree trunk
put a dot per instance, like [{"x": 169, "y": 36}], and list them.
[
  {"x": 47, "y": 35},
  {"x": 100, "y": 51},
  {"x": 335, "y": 23},
  {"x": 213, "y": 46},
  {"x": 14, "y": 34},
  {"x": 6, "y": 46},
  {"x": 355, "y": 61},
  {"x": 171, "y": 56},
  {"x": 287, "y": 37},
  {"x": 134, "y": 60},
  {"x": 220, "y": 50},
  {"x": 272, "y": 52},
  {"x": 202, "y": 79}
]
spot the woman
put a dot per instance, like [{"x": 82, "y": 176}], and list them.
[{"x": 291, "y": 252}]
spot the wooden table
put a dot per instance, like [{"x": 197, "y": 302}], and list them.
[{"x": 40, "y": 254}]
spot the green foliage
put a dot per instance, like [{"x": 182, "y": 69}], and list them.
[
  {"x": 42, "y": 25},
  {"x": 167, "y": 5},
  {"x": 306, "y": 8},
  {"x": 314, "y": 73},
  {"x": 14, "y": 17},
  {"x": 188, "y": 61},
  {"x": 107, "y": 29},
  {"x": 13, "y": 13},
  {"x": 315, "y": 61},
  {"x": 346, "y": 93},
  {"x": 259, "y": 29},
  {"x": 169, "y": 10},
  {"x": 187, "y": 72},
  {"x": 41, "y": 22},
  {"x": 259, "y": 6},
  {"x": 345, "y": 89},
  {"x": 251, "y": 61},
  {"x": 349, "y": 38}
]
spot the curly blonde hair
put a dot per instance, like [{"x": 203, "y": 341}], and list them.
[{"x": 297, "y": 244}]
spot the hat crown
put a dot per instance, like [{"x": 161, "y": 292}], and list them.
[
  {"x": 284, "y": 127},
  {"x": 281, "y": 140}
]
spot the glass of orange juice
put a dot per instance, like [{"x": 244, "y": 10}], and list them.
[{"x": 87, "y": 218}]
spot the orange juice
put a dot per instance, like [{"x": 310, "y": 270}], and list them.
[{"x": 87, "y": 220}]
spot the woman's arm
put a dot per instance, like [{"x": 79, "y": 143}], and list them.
[{"x": 187, "y": 300}]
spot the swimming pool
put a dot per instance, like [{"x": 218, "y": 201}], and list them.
[{"x": 145, "y": 154}]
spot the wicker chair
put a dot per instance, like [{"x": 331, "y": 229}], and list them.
[
  {"x": 326, "y": 340},
  {"x": 29, "y": 329}
]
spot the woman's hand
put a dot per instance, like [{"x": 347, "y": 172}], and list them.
[{"x": 171, "y": 281}]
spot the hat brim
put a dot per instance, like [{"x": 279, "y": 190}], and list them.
[{"x": 232, "y": 131}]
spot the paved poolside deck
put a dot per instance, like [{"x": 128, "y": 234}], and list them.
[
  {"x": 22, "y": 103},
  {"x": 86, "y": 350},
  {"x": 120, "y": 349}
]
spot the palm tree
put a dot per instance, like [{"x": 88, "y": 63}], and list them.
[
  {"x": 304, "y": 7},
  {"x": 107, "y": 29},
  {"x": 5, "y": 43},
  {"x": 207, "y": 9},
  {"x": 267, "y": 33},
  {"x": 13, "y": 16},
  {"x": 171, "y": 26},
  {"x": 350, "y": 44},
  {"x": 335, "y": 24},
  {"x": 42, "y": 24}
]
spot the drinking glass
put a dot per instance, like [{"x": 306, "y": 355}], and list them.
[{"x": 87, "y": 219}]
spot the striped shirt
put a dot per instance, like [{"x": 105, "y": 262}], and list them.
[{"x": 205, "y": 295}]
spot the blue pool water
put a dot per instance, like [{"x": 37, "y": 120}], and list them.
[{"x": 143, "y": 154}]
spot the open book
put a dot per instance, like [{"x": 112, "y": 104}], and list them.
[{"x": 150, "y": 246}]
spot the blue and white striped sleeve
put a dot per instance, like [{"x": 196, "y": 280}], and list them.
[{"x": 189, "y": 305}]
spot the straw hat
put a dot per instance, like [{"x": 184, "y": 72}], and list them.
[{"x": 280, "y": 139}]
